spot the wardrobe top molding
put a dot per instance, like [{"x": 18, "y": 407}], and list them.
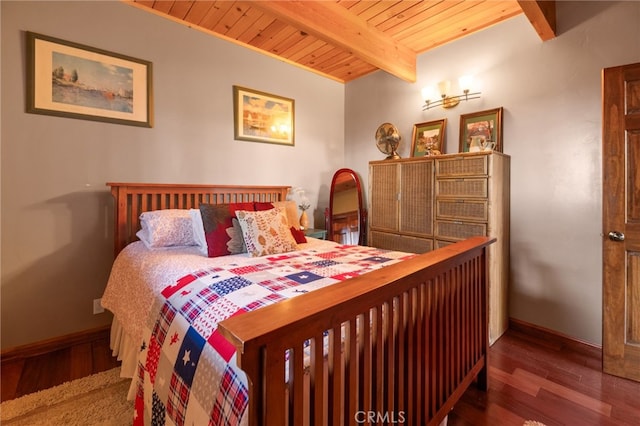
[{"x": 444, "y": 156}]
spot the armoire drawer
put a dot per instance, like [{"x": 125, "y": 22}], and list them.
[
  {"x": 463, "y": 166},
  {"x": 466, "y": 187},
  {"x": 456, "y": 230},
  {"x": 461, "y": 209}
]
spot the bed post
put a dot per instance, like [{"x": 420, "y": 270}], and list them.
[
  {"x": 483, "y": 375},
  {"x": 120, "y": 218}
]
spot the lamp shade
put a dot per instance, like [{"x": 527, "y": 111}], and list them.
[
  {"x": 465, "y": 81},
  {"x": 429, "y": 93},
  {"x": 444, "y": 87}
]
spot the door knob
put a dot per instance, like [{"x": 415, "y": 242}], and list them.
[{"x": 616, "y": 236}]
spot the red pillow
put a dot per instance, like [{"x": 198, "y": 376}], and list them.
[
  {"x": 298, "y": 235},
  {"x": 217, "y": 218},
  {"x": 262, "y": 206}
]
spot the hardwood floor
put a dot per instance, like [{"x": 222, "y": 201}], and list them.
[
  {"x": 532, "y": 376},
  {"x": 537, "y": 376},
  {"x": 42, "y": 368}
]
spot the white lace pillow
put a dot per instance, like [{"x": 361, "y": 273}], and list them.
[
  {"x": 266, "y": 232},
  {"x": 166, "y": 228}
]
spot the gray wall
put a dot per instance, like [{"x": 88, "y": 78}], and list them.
[
  {"x": 552, "y": 130},
  {"x": 57, "y": 214},
  {"x": 56, "y": 210}
]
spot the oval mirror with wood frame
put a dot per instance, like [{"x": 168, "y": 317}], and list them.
[{"x": 346, "y": 218}]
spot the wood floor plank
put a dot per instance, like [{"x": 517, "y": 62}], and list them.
[
  {"x": 547, "y": 380},
  {"x": 10, "y": 377},
  {"x": 80, "y": 363},
  {"x": 527, "y": 386},
  {"x": 44, "y": 371},
  {"x": 497, "y": 414},
  {"x": 101, "y": 356},
  {"x": 564, "y": 392},
  {"x": 566, "y": 412}
]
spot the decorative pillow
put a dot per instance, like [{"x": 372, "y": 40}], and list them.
[
  {"x": 236, "y": 240},
  {"x": 166, "y": 228},
  {"x": 290, "y": 208},
  {"x": 266, "y": 232},
  {"x": 198, "y": 230},
  {"x": 216, "y": 219},
  {"x": 298, "y": 235}
]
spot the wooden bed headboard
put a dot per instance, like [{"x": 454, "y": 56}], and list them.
[{"x": 131, "y": 199}]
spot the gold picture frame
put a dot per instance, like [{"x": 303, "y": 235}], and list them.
[
  {"x": 428, "y": 138},
  {"x": 263, "y": 117},
  {"x": 67, "y": 79},
  {"x": 486, "y": 126}
]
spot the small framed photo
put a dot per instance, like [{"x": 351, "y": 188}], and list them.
[
  {"x": 481, "y": 131},
  {"x": 262, "y": 117},
  {"x": 72, "y": 80},
  {"x": 428, "y": 138}
]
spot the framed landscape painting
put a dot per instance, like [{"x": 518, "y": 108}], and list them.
[
  {"x": 72, "y": 80},
  {"x": 428, "y": 138},
  {"x": 483, "y": 128},
  {"x": 262, "y": 117}
]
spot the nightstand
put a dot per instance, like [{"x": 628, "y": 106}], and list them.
[{"x": 320, "y": 234}]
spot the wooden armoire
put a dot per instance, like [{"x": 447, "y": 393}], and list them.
[{"x": 419, "y": 204}]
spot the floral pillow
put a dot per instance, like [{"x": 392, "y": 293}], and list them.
[
  {"x": 236, "y": 240},
  {"x": 290, "y": 208},
  {"x": 217, "y": 220},
  {"x": 166, "y": 228},
  {"x": 266, "y": 232}
]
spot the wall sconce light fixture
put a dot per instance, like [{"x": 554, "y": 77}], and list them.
[{"x": 446, "y": 100}]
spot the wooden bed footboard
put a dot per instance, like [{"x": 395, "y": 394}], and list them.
[{"x": 397, "y": 345}]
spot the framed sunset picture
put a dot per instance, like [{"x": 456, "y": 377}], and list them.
[{"x": 263, "y": 117}]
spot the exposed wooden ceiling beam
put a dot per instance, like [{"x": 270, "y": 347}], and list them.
[
  {"x": 542, "y": 15},
  {"x": 329, "y": 22}
]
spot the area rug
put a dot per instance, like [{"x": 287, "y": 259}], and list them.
[{"x": 99, "y": 399}]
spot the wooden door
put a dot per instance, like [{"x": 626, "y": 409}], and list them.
[{"x": 621, "y": 221}]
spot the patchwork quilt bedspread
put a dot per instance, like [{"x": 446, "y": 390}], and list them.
[{"x": 187, "y": 372}]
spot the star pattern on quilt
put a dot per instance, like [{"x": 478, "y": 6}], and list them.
[{"x": 174, "y": 339}]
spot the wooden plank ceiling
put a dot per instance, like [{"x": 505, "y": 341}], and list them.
[{"x": 347, "y": 39}]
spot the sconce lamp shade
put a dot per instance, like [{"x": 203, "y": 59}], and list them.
[
  {"x": 466, "y": 81},
  {"x": 429, "y": 93},
  {"x": 445, "y": 88}
]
